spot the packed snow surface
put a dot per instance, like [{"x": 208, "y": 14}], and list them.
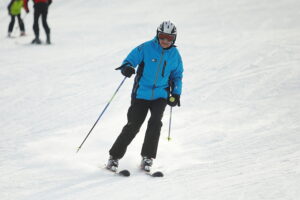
[{"x": 235, "y": 137}]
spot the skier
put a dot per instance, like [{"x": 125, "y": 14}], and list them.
[
  {"x": 41, "y": 9},
  {"x": 14, "y": 10},
  {"x": 158, "y": 82}
]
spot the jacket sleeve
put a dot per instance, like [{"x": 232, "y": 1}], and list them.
[
  {"x": 25, "y": 5},
  {"x": 176, "y": 77},
  {"x": 135, "y": 57}
]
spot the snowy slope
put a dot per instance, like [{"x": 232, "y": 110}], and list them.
[{"x": 236, "y": 135}]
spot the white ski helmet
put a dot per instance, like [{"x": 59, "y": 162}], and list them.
[{"x": 167, "y": 27}]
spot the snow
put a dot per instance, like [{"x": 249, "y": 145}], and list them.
[{"x": 236, "y": 135}]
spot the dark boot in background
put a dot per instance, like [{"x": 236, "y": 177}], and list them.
[
  {"x": 48, "y": 41},
  {"x": 36, "y": 41}
]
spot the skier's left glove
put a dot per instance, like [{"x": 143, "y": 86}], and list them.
[
  {"x": 128, "y": 71},
  {"x": 174, "y": 100}
]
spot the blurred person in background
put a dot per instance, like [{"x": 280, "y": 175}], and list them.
[
  {"x": 41, "y": 9},
  {"x": 14, "y": 10}
]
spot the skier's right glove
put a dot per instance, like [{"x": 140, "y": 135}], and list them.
[
  {"x": 128, "y": 71},
  {"x": 174, "y": 100}
]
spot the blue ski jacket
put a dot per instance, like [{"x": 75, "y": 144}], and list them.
[{"x": 159, "y": 70}]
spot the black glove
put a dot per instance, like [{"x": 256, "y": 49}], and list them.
[
  {"x": 174, "y": 100},
  {"x": 128, "y": 71}
]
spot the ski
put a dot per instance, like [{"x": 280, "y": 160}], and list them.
[
  {"x": 154, "y": 174},
  {"x": 124, "y": 172}
]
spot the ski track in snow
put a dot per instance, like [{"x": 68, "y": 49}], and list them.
[{"x": 236, "y": 135}]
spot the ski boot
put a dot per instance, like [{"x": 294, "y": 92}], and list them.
[
  {"x": 146, "y": 164},
  {"x": 112, "y": 164},
  {"x": 9, "y": 34},
  {"x": 36, "y": 41}
]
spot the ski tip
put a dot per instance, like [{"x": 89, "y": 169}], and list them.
[
  {"x": 124, "y": 173},
  {"x": 157, "y": 174}
]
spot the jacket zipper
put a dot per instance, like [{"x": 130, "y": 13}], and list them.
[
  {"x": 164, "y": 68},
  {"x": 157, "y": 73}
]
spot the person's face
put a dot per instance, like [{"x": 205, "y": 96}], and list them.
[
  {"x": 165, "y": 40},
  {"x": 164, "y": 43}
]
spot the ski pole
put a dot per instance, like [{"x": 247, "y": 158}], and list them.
[
  {"x": 101, "y": 114},
  {"x": 170, "y": 122}
]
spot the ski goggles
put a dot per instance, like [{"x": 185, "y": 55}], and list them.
[{"x": 165, "y": 36}]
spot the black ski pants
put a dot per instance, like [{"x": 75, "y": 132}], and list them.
[
  {"x": 40, "y": 9},
  {"x": 136, "y": 115},
  {"x": 12, "y": 23}
]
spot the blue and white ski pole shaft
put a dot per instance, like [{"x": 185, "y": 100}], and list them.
[
  {"x": 102, "y": 113},
  {"x": 170, "y": 122}
]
